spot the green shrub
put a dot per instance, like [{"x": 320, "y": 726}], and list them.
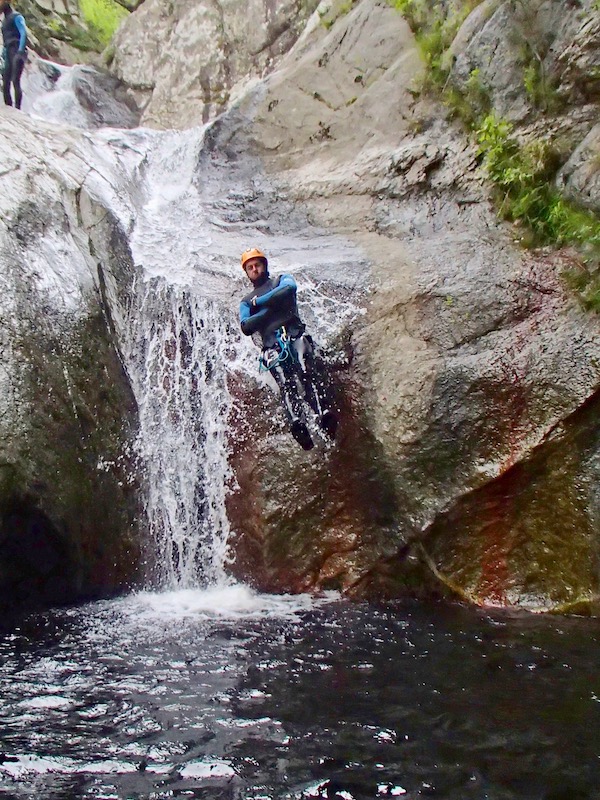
[
  {"x": 469, "y": 104},
  {"x": 541, "y": 91},
  {"x": 435, "y": 28},
  {"x": 103, "y": 17},
  {"x": 526, "y": 195},
  {"x": 523, "y": 176},
  {"x": 331, "y": 15},
  {"x": 585, "y": 283}
]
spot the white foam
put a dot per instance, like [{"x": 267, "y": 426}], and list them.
[
  {"x": 47, "y": 701},
  {"x": 207, "y": 769},
  {"x": 231, "y": 602}
]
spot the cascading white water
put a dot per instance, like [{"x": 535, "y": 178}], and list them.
[
  {"x": 180, "y": 338},
  {"x": 176, "y": 360},
  {"x": 48, "y": 93},
  {"x": 176, "y": 344}
]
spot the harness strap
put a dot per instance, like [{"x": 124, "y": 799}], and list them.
[{"x": 273, "y": 356}]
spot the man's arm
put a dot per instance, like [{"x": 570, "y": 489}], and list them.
[
  {"x": 251, "y": 322},
  {"x": 286, "y": 289},
  {"x": 20, "y": 23}
]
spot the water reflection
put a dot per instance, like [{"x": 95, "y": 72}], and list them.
[{"x": 235, "y": 695}]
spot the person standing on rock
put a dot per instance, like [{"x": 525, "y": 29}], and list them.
[
  {"x": 288, "y": 353},
  {"x": 14, "y": 53}
]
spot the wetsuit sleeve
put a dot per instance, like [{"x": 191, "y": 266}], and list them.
[
  {"x": 284, "y": 291},
  {"x": 20, "y": 23},
  {"x": 249, "y": 322}
]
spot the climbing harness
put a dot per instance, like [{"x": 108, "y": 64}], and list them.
[{"x": 273, "y": 356}]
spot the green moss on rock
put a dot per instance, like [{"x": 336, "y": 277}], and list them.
[
  {"x": 67, "y": 494},
  {"x": 87, "y": 32}
]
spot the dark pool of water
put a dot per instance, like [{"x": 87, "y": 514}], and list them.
[{"x": 140, "y": 698}]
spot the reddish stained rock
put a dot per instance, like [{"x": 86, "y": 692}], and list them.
[
  {"x": 307, "y": 521},
  {"x": 530, "y": 537}
]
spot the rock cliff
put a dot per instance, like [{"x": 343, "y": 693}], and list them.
[
  {"x": 68, "y": 31},
  {"x": 184, "y": 61},
  {"x": 467, "y": 458},
  {"x": 68, "y": 499},
  {"x": 475, "y": 360}
]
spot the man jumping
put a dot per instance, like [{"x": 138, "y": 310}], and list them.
[{"x": 288, "y": 353}]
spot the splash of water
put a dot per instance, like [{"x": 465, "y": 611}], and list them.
[
  {"x": 179, "y": 336},
  {"x": 176, "y": 362}
]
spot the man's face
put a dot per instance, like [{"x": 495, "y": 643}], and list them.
[{"x": 255, "y": 269}]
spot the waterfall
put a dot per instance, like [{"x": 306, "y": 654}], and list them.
[
  {"x": 176, "y": 362},
  {"x": 179, "y": 334},
  {"x": 177, "y": 346}
]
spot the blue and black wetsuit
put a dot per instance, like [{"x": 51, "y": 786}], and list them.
[
  {"x": 14, "y": 39},
  {"x": 270, "y": 310},
  {"x": 270, "y": 306}
]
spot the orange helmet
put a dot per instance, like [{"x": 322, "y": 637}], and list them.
[{"x": 254, "y": 252}]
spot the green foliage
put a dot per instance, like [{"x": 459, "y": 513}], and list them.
[
  {"x": 531, "y": 81},
  {"x": 331, "y": 15},
  {"x": 470, "y": 103},
  {"x": 434, "y": 27},
  {"x": 54, "y": 26},
  {"x": 522, "y": 177},
  {"x": 103, "y": 17},
  {"x": 415, "y": 11},
  {"x": 586, "y": 284},
  {"x": 81, "y": 38},
  {"x": 541, "y": 92}
]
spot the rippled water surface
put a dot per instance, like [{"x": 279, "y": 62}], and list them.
[{"x": 226, "y": 694}]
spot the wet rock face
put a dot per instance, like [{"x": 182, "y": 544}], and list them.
[
  {"x": 68, "y": 505},
  {"x": 530, "y": 539},
  {"x": 68, "y": 502},
  {"x": 182, "y": 61},
  {"x": 464, "y": 409},
  {"x": 305, "y": 521},
  {"x": 469, "y": 366},
  {"x": 104, "y": 99}
]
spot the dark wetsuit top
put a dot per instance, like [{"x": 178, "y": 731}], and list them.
[
  {"x": 14, "y": 38},
  {"x": 275, "y": 306},
  {"x": 14, "y": 33}
]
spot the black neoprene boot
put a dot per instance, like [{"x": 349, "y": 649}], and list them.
[
  {"x": 329, "y": 423},
  {"x": 301, "y": 434}
]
